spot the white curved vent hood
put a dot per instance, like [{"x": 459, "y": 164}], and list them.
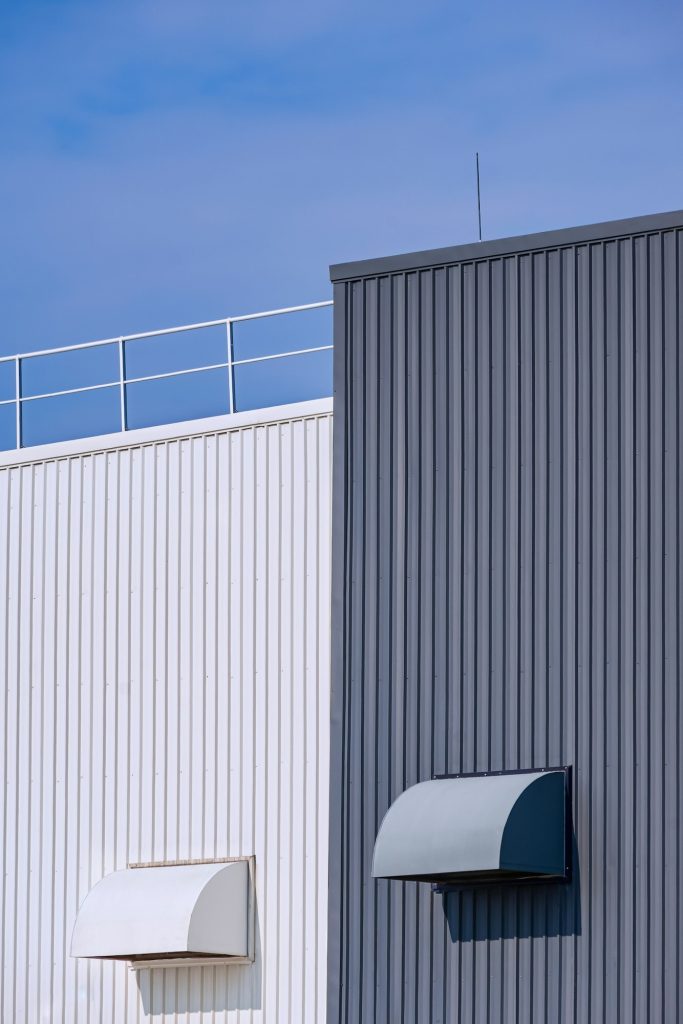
[
  {"x": 478, "y": 828},
  {"x": 167, "y": 913}
]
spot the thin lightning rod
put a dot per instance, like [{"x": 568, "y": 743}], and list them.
[{"x": 478, "y": 198}]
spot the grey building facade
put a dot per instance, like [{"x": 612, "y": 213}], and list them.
[{"x": 507, "y": 571}]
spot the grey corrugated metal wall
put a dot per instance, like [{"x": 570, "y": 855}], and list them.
[{"x": 507, "y": 594}]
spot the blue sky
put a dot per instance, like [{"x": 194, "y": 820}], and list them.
[{"x": 166, "y": 162}]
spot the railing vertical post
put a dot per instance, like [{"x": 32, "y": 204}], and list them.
[
  {"x": 122, "y": 385},
  {"x": 231, "y": 368},
  {"x": 17, "y": 398}
]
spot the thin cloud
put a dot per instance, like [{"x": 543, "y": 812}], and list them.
[{"x": 163, "y": 166}]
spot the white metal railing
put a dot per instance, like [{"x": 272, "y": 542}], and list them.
[{"x": 123, "y": 381}]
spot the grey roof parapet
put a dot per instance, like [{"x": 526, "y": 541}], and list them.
[{"x": 505, "y": 246}]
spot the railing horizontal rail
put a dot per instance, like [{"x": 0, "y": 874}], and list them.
[
  {"x": 122, "y": 381},
  {"x": 69, "y": 391},
  {"x": 165, "y": 330},
  {"x": 281, "y": 355}
]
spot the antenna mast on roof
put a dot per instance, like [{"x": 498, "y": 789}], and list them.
[{"x": 478, "y": 197}]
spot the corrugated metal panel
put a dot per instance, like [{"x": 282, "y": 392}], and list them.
[
  {"x": 507, "y": 594},
  {"x": 165, "y": 648}
]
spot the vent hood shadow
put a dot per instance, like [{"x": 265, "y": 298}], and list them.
[
  {"x": 493, "y": 912},
  {"x": 457, "y": 831}
]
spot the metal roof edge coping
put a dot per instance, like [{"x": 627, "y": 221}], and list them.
[
  {"x": 469, "y": 251},
  {"x": 183, "y": 430}
]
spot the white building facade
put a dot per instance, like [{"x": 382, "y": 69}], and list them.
[{"x": 164, "y": 596}]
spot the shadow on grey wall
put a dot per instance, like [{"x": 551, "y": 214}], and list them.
[
  {"x": 203, "y": 989},
  {"x": 516, "y": 911}
]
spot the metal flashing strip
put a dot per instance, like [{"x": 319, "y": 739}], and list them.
[
  {"x": 181, "y": 431},
  {"x": 469, "y": 251}
]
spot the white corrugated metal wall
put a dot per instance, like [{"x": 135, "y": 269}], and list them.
[{"x": 165, "y": 646}]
